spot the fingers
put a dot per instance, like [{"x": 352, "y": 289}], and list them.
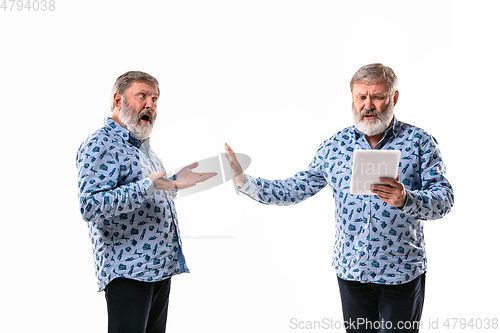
[
  {"x": 185, "y": 180},
  {"x": 392, "y": 192},
  {"x": 157, "y": 175},
  {"x": 194, "y": 179},
  {"x": 390, "y": 181},
  {"x": 192, "y": 166},
  {"x": 232, "y": 155},
  {"x": 236, "y": 170},
  {"x": 205, "y": 176},
  {"x": 233, "y": 162},
  {"x": 392, "y": 187},
  {"x": 229, "y": 150}
]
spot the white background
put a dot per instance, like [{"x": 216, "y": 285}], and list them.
[{"x": 271, "y": 78}]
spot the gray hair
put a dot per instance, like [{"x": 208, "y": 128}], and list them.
[
  {"x": 376, "y": 72},
  {"x": 125, "y": 80}
]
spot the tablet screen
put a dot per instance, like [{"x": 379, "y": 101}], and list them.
[{"x": 369, "y": 165}]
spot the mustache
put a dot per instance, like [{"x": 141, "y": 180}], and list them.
[
  {"x": 371, "y": 112},
  {"x": 147, "y": 112}
]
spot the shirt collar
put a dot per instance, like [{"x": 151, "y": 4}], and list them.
[{"x": 123, "y": 132}]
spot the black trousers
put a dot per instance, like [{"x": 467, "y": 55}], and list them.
[
  {"x": 370, "y": 307},
  {"x": 137, "y": 307}
]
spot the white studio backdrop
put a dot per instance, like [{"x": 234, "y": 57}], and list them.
[{"x": 271, "y": 78}]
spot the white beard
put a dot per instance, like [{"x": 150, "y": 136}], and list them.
[
  {"x": 132, "y": 122},
  {"x": 376, "y": 125}
]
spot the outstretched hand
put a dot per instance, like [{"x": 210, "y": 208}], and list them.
[
  {"x": 185, "y": 178},
  {"x": 236, "y": 170}
]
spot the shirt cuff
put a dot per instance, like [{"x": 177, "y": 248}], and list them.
[
  {"x": 149, "y": 187},
  {"x": 250, "y": 186},
  {"x": 410, "y": 207}
]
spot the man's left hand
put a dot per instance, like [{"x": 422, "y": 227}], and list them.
[{"x": 393, "y": 193}]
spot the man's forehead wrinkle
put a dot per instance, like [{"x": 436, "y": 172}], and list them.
[
  {"x": 366, "y": 91},
  {"x": 138, "y": 87},
  {"x": 373, "y": 93}
]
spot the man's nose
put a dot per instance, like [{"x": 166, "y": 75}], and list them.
[
  {"x": 150, "y": 103},
  {"x": 369, "y": 104}
]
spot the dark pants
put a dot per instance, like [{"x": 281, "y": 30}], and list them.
[
  {"x": 370, "y": 307},
  {"x": 137, "y": 307}
]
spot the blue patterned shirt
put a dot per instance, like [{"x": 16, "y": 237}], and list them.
[
  {"x": 374, "y": 242},
  {"x": 132, "y": 226}
]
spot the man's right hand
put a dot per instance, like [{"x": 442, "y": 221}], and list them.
[
  {"x": 236, "y": 170},
  {"x": 165, "y": 184},
  {"x": 185, "y": 178}
]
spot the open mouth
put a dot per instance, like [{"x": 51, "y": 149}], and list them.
[
  {"x": 146, "y": 118},
  {"x": 369, "y": 115}
]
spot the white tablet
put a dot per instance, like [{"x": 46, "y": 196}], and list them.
[{"x": 369, "y": 165}]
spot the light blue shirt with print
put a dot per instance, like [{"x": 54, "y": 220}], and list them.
[
  {"x": 133, "y": 226},
  {"x": 374, "y": 242}
]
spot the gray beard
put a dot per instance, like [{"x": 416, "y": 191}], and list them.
[
  {"x": 133, "y": 124},
  {"x": 374, "y": 126}
]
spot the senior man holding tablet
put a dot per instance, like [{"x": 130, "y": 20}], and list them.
[{"x": 379, "y": 254}]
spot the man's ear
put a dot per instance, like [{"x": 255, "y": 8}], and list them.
[
  {"x": 396, "y": 97},
  {"x": 117, "y": 98}
]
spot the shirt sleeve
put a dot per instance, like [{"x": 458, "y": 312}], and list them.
[
  {"x": 100, "y": 195},
  {"x": 172, "y": 194},
  {"x": 435, "y": 198},
  {"x": 288, "y": 191}
]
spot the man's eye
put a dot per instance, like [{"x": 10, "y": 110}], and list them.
[
  {"x": 362, "y": 97},
  {"x": 141, "y": 95}
]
